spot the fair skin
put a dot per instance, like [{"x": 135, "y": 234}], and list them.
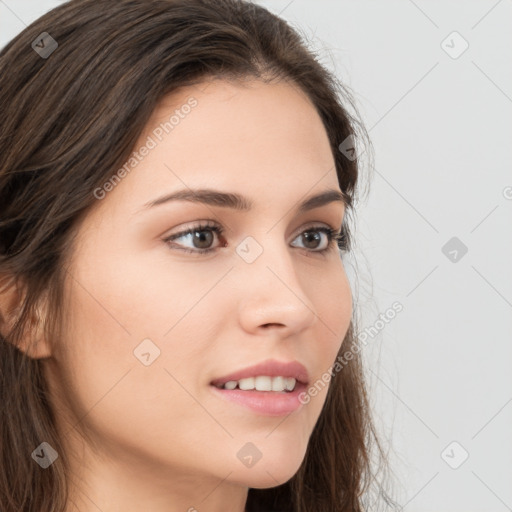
[{"x": 156, "y": 437}]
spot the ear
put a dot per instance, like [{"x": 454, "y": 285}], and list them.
[{"x": 33, "y": 342}]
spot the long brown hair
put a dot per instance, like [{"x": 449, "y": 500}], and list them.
[{"x": 72, "y": 108}]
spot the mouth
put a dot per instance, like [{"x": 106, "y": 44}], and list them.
[
  {"x": 271, "y": 388},
  {"x": 269, "y": 375}
]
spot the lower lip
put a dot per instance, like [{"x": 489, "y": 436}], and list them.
[{"x": 268, "y": 403}]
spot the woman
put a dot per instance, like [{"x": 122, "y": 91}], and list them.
[{"x": 175, "y": 186}]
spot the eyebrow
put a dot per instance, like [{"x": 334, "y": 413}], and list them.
[{"x": 241, "y": 203}]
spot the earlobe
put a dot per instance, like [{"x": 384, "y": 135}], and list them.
[{"x": 33, "y": 341}]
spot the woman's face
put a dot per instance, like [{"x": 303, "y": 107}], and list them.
[{"x": 151, "y": 325}]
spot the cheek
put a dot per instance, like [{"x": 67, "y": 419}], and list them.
[
  {"x": 113, "y": 306},
  {"x": 333, "y": 302},
  {"x": 116, "y": 398},
  {"x": 332, "y": 298},
  {"x": 130, "y": 294}
]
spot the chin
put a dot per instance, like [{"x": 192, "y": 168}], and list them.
[
  {"x": 265, "y": 476},
  {"x": 266, "y": 481}
]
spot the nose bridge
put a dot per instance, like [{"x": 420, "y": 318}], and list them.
[{"x": 272, "y": 292}]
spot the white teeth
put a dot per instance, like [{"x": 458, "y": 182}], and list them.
[
  {"x": 290, "y": 383},
  {"x": 246, "y": 383},
  {"x": 278, "y": 383},
  {"x": 262, "y": 383}
]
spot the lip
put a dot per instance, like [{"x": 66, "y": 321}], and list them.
[
  {"x": 267, "y": 403},
  {"x": 270, "y": 368}
]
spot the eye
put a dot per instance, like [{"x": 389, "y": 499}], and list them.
[
  {"x": 318, "y": 239},
  {"x": 200, "y": 243}
]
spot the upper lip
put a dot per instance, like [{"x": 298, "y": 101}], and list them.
[{"x": 271, "y": 368}]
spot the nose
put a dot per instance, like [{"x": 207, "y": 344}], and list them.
[{"x": 272, "y": 296}]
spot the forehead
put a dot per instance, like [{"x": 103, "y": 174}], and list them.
[
  {"x": 234, "y": 136},
  {"x": 240, "y": 119}
]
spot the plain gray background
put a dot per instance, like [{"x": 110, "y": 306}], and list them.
[{"x": 441, "y": 125}]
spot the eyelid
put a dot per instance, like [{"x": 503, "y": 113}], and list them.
[{"x": 195, "y": 225}]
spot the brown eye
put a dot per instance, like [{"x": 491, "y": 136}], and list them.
[
  {"x": 204, "y": 240},
  {"x": 200, "y": 239},
  {"x": 312, "y": 238}
]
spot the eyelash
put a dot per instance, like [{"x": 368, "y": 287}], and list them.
[{"x": 334, "y": 237}]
